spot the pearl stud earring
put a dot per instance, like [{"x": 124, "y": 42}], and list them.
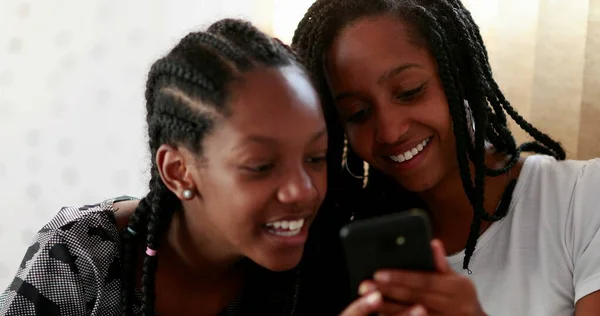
[{"x": 188, "y": 194}]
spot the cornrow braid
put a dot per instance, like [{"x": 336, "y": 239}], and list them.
[
  {"x": 447, "y": 28},
  {"x": 186, "y": 91},
  {"x": 247, "y": 37},
  {"x": 240, "y": 58}
]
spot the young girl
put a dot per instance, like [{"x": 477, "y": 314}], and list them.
[
  {"x": 238, "y": 145},
  {"x": 409, "y": 82}
]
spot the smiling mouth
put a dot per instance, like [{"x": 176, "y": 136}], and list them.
[
  {"x": 286, "y": 228},
  {"x": 411, "y": 153}
]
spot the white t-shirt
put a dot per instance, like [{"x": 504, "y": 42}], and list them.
[{"x": 545, "y": 254}]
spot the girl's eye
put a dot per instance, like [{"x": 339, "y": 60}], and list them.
[
  {"x": 358, "y": 116},
  {"x": 260, "y": 168},
  {"x": 317, "y": 160},
  {"x": 410, "y": 94}
]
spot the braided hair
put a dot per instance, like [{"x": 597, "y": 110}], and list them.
[
  {"x": 185, "y": 92},
  {"x": 448, "y": 30}
]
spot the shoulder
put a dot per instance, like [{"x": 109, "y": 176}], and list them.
[
  {"x": 546, "y": 178},
  {"x": 569, "y": 188},
  {"x": 82, "y": 227},
  {"x": 590, "y": 171},
  {"x": 559, "y": 206},
  {"x": 564, "y": 196},
  {"x": 68, "y": 264},
  {"x": 569, "y": 192},
  {"x": 71, "y": 219},
  {"x": 546, "y": 166}
]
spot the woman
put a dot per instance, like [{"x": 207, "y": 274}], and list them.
[
  {"x": 409, "y": 82},
  {"x": 238, "y": 145}
]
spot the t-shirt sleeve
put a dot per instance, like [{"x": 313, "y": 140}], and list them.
[
  {"x": 49, "y": 280},
  {"x": 585, "y": 211}
]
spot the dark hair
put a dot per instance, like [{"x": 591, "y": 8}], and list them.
[
  {"x": 448, "y": 30},
  {"x": 186, "y": 90}
]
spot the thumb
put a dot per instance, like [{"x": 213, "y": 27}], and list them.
[
  {"x": 365, "y": 305},
  {"x": 417, "y": 310},
  {"x": 439, "y": 256}
]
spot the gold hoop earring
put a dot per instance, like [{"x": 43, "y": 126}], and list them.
[
  {"x": 365, "y": 176},
  {"x": 470, "y": 121}
]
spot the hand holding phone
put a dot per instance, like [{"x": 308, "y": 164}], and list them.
[
  {"x": 398, "y": 241},
  {"x": 417, "y": 278}
]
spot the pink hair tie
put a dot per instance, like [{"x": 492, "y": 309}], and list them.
[{"x": 150, "y": 252}]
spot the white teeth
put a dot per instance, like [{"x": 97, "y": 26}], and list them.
[
  {"x": 286, "y": 228},
  {"x": 410, "y": 154},
  {"x": 290, "y": 233},
  {"x": 296, "y": 224}
]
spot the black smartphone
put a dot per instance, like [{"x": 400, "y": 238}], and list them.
[{"x": 397, "y": 241}]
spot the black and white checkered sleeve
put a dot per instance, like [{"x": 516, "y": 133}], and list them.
[
  {"x": 48, "y": 281},
  {"x": 71, "y": 268}
]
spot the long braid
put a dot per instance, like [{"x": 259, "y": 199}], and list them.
[
  {"x": 455, "y": 103},
  {"x": 481, "y": 122},
  {"x": 475, "y": 52},
  {"x": 186, "y": 92},
  {"x": 455, "y": 41},
  {"x": 497, "y": 131},
  {"x": 459, "y": 123},
  {"x": 475, "y": 192},
  {"x": 162, "y": 212},
  {"x": 129, "y": 258}
]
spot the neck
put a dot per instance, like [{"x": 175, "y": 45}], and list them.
[
  {"x": 451, "y": 211},
  {"x": 193, "y": 268},
  {"x": 197, "y": 256}
]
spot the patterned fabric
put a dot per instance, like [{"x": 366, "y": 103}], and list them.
[{"x": 73, "y": 268}]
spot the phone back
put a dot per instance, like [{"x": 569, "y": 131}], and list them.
[{"x": 396, "y": 241}]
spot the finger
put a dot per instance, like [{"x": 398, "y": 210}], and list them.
[
  {"x": 416, "y": 310},
  {"x": 366, "y": 287},
  {"x": 365, "y": 305},
  {"x": 423, "y": 281},
  {"x": 403, "y": 295},
  {"x": 439, "y": 256},
  {"x": 393, "y": 309}
]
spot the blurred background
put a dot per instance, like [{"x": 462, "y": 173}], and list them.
[{"x": 72, "y": 77}]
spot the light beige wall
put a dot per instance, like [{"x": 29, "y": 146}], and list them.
[
  {"x": 263, "y": 13},
  {"x": 589, "y": 129},
  {"x": 545, "y": 55},
  {"x": 558, "y": 74}
]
